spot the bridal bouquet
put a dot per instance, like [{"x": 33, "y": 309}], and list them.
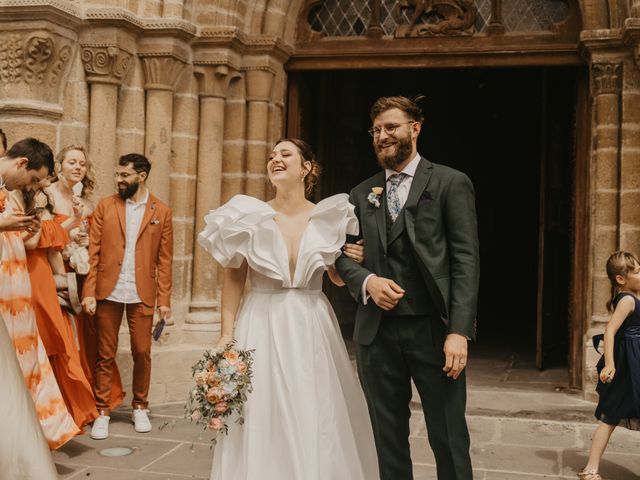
[{"x": 222, "y": 383}]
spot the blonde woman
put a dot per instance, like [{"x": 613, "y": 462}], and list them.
[{"x": 71, "y": 196}]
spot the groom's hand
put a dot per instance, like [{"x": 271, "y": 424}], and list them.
[
  {"x": 384, "y": 291},
  {"x": 455, "y": 352}
]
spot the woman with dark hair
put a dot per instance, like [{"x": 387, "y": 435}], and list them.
[
  {"x": 307, "y": 416},
  {"x": 16, "y": 308},
  {"x": 44, "y": 260},
  {"x": 23, "y": 446}
]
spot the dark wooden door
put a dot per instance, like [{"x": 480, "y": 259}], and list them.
[{"x": 554, "y": 240}]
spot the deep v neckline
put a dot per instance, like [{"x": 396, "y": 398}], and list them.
[{"x": 292, "y": 275}]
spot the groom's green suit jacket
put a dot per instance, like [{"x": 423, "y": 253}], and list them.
[{"x": 440, "y": 221}]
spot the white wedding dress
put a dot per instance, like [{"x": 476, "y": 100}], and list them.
[{"x": 307, "y": 418}]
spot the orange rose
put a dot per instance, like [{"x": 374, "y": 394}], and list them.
[
  {"x": 214, "y": 395},
  {"x": 231, "y": 356},
  {"x": 213, "y": 379}
]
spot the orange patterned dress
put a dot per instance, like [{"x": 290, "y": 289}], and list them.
[
  {"x": 17, "y": 312},
  {"x": 56, "y": 329}
]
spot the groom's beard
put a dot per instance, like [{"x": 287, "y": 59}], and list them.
[
  {"x": 393, "y": 156},
  {"x": 127, "y": 191}
]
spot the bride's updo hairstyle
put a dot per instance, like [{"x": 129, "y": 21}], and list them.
[{"x": 306, "y": 155}]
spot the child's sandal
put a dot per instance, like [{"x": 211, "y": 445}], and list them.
[{"x": 589, "y": 475}]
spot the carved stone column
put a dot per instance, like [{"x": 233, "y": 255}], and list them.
[
  {"x": 161, "y": 74},
  {"x": 606, "y": 83},
  {"x": 635, "y": 8},
  {"x": 259, "y": 82},
  {"x": 105, "y": 67},
  {"x": 213, "y": 84}
]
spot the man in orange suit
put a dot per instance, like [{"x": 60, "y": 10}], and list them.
[{"x": 130, "y": 255}]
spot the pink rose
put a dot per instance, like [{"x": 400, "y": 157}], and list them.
[
  {"x": 216, "y": 424},
  {"x": 241, "y": 367},
  {"x": 221, "y": 407},
  {"x": 196, "y": 415}
]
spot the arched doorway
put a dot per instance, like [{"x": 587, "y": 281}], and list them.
[{"x": 509, "y": 110}]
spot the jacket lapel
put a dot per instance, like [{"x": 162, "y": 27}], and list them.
[
  {"x": 420, "y": 181},
  {"x": 149, "y": 210},
  {"x": 381, "y": 221},
  {"x": 120, "y": 209}
]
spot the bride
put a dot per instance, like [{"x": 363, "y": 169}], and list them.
[{"x": 307, "y": 417}]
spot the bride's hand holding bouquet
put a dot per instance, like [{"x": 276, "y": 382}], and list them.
[{"x": 222, "y": 383}]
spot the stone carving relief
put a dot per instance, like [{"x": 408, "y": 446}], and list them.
[
  {"x": 38, "y": 53},
  {"x": 11, "y": 58},
  {"x": 448, "y": 17},
  {"x": 33, "y": 66},
  {"x": 33, "y": 60},
  {"x": 105, "y": 63},
  {"x": 606, "y": 77}
]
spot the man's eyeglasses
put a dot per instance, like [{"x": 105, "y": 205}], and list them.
[{"x": 389, "y": 128}]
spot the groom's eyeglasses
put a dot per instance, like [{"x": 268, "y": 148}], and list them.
[{"x": 389, "y": 128}]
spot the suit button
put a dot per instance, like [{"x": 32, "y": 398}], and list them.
[{"x": 119, "y": 263}]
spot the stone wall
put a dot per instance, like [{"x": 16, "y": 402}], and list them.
[{"x": 199, "y": 87}]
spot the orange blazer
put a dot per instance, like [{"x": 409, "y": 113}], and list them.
[{"x": 154, "y": 251}]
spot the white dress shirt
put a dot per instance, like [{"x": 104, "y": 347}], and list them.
[
  {"x": 403, "y": 193},
  {"x": 125, "y": 290}
]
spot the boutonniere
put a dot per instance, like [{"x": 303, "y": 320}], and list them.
[
  {"x": 154, "y": 222},
  {"x": 374, "y": 196}
]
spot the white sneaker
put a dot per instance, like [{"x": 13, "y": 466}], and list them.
[
  {"x": 100, "y": 428},
  {"x": 141, "y": 423}
]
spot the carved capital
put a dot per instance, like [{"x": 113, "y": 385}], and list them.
[
  {"x": 33, "y": 65},
  {"x": 259, "y": 83},
  {"x": 214, "y": 80},
  {"x": 606, "y": 77},
  {"x": 105, "y": 63},
  {"x": 161, "y": 72}
]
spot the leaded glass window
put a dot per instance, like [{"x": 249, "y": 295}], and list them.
[{"x": 348, "y": 18}]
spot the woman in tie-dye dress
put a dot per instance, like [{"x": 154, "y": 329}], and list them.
[{"x": 18, "y": 315}]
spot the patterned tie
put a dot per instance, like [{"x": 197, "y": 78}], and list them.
[{"x": 393, "y": 200}]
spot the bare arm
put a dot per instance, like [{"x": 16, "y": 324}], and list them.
[
  {"x": 625, "y": 306},
  {"x": 335, "y": 277},
  {"x": 56, "y": 261},
  {"x": 232, "y": 289}
]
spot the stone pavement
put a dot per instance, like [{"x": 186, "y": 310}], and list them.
[{"x": 524, "y": 424}]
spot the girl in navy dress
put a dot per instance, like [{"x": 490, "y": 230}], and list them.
[{"x": 619, "y": 367}]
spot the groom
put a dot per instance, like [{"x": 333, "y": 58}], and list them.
[{"x": 417, "y": 293}]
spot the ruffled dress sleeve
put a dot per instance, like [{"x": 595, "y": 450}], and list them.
[
  {"x": 242, "y": 229},
  {"x": 53, "y": 235},
  {"x": 331, "y": 221}
]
